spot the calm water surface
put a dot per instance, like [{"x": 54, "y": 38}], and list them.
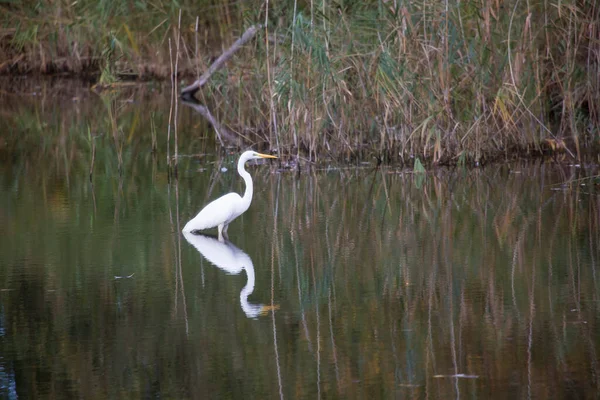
[{"x": 337, "y": 283}]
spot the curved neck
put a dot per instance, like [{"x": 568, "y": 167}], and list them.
[
  {"x": 247, "y": 199},
  {"x": 251, "y": 310}
]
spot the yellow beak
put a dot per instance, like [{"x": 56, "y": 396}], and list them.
[
  {"x": 265, "y": 155},
  {"x": 267, "y": 309}
]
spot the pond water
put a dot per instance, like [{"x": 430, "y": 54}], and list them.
[{"x": 338, "y": 282}]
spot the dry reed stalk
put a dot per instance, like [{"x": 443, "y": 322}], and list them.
[
  {"x": 174, "y": 90},
  {"x": 170, "y": 108},
  {"x": 273, "y": 113}
]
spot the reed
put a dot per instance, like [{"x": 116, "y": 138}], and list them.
[
  {"x": 439, "y": 81},
  {"x": 445, "y": 82}
]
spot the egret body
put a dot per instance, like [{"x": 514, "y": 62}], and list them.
[{"x": 222, "y": 211}]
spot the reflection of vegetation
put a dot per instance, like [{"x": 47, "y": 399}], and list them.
[
  {"x": 59, "y": 129},
  {"x": 382, "y": 284},
  {"x": 452, "y": 278}
]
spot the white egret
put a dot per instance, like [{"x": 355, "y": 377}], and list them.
[
  {"x": 226, "y": 256},
  {"x": 222, "y": 211}
]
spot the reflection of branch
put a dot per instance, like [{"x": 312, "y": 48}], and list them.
[
  {"x": 222, "y": 132},
  {"x": 188, "y": 92}
]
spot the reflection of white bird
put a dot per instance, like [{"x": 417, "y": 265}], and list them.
[
  {"x": 232, "y": 260},
  {"x": 222, "y": 211}
]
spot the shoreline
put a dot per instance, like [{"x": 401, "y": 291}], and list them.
[{"x": 62, "y": 84}]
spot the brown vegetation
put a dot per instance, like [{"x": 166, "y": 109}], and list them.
[{"x": 449, "y": 82}]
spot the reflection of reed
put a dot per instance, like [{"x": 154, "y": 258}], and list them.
[
  {"x": 333, "y": 350},
  {"x": 399, "y": 306},
  {"x": 442, "y": 260},
  {"x": 110, "y": 103},
  {"x": 274, "y": 251},
  {"x": 175, "y": 228},
  {"x": 93, "y": 150},
  {"x": 176, "y": 242}
]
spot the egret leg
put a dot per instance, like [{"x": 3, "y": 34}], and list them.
[
  {"x": 225, "y": 235},
  {"x": 220, "y": 228}
]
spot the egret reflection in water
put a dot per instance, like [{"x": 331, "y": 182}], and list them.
[{"x": 226, "y": 256}]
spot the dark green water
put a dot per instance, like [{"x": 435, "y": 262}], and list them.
[{"x": 460, "y": 284}]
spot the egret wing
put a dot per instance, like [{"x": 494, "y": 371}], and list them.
[{"x": 217, "y": 212}]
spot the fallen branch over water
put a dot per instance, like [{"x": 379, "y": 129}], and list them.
[{"x": 190, "y": 90}]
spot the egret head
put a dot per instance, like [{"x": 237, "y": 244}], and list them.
[{"x": 252, "y": 155}]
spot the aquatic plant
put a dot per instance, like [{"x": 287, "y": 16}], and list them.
[{"x": 446, "y": 82}]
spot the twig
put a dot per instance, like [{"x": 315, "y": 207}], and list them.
[{"x": 194, "y": 87}]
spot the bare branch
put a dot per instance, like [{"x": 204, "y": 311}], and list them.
[{"x": 190, "y": 90}]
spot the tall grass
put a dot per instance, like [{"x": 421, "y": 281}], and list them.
[
  {"x": 116, "y": 39},
  {"x": 439, "y": 80},
  {"x": 445, "y": 81}
]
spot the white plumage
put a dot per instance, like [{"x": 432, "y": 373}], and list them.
[
  {"x": 226, "y": 256},
  {"x": 222, "y": 211}
]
